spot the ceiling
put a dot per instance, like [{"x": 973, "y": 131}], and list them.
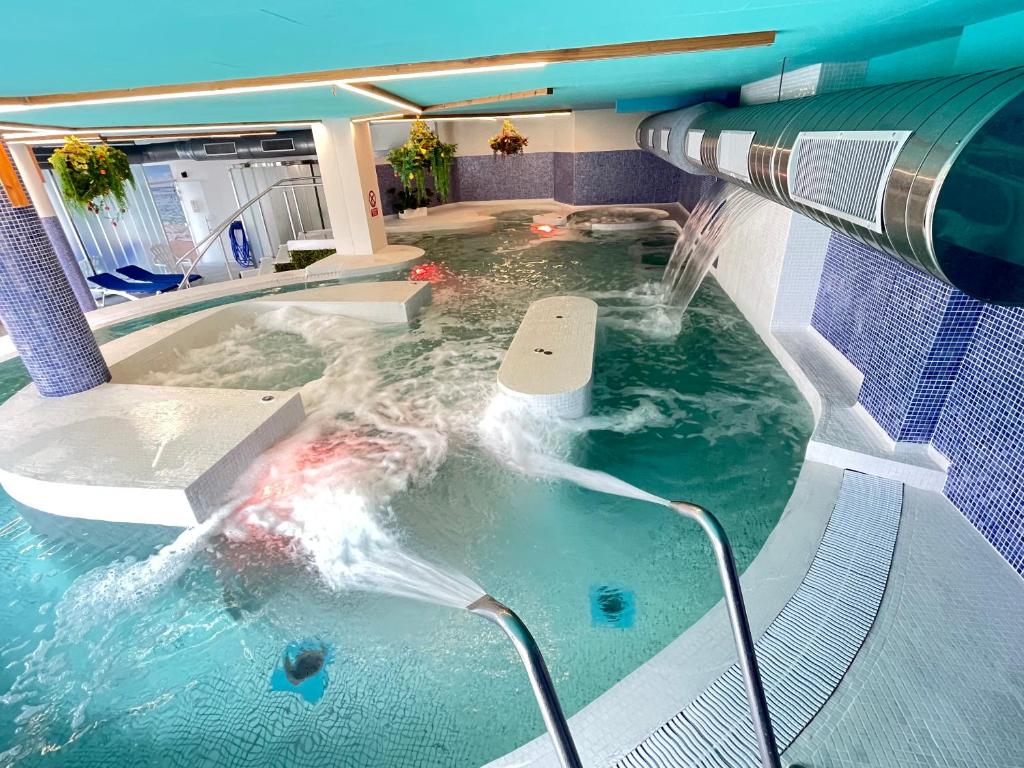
[{"x": 64, "y": 46}]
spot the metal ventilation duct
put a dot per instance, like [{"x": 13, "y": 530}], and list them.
[
  {"x": 930, "y": 171},
  {"x": 281, "y": 145}
]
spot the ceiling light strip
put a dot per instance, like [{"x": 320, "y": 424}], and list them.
[{"x": 381, "y": 95}]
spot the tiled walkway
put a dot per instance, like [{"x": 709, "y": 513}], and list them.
[{"x": 940, "y": 681}]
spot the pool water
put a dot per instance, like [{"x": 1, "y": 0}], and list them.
[{"x": 145, "y": 646}]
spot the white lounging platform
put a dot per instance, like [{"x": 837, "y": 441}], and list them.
[
  {"x": 137, "y": 454},
  {"x": 134, "y": 452},
  {"x": 394, "y": 301},
  {"x": 457, "y": 216},
  {"x": 550, "y": 363},
  {"x": 387, "y": 259}
]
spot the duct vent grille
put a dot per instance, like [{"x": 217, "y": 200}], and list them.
[
  {"x": 733, "y": 148},
  {"x": 844, "y": 173},
  {"x": 694, "y": 137},
  {"x": 220, "y": 148},
  {"x": 277, "y": 145}
]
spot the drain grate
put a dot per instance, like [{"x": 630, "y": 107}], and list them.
[{"x": 805, "y": 652}]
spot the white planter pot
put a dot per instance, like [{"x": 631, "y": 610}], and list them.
[{"x": 413, "y": 213}]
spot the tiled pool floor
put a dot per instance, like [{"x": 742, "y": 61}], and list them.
[{"x": 940, "y": 680}]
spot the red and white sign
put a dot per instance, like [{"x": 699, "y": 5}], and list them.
[{"x": 374, "y": 211}]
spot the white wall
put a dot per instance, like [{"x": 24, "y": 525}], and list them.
[
  {"x": 598, "y": 130},
  {"x": 592, "y": 130}
]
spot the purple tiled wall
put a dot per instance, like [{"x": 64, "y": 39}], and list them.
[
  {"x": 527, "y": 176},
  {"x": 565, "y": 182},
  {"x": 626, "y": 176},
  {"x": 938, "y": 367}
]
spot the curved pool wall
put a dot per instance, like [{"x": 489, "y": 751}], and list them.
[{"x": 574, "y": 541}]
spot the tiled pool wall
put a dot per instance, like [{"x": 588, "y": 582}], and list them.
[
  {"x": 939, "y": 367},
  {"x": 621, "y": 176}
]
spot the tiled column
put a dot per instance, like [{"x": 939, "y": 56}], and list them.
[
  {"x": 33, "y": 181},
  {"x": 38, "y": 306}
]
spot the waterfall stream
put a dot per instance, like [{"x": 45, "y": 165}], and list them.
[{"x": 697, "y": 246}]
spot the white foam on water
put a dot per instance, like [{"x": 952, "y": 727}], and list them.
[{"x": 531, "y": 442}]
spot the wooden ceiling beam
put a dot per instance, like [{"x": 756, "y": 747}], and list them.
[
  {"x": 502, "y": 97},
  {"x": 355, "y": 74}
]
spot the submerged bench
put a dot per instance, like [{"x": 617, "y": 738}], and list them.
[{"x": 550, "y": 363}]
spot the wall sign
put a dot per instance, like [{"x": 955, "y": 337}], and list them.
[{"x": 374, "y": 211}]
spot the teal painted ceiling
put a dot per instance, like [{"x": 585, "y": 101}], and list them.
[{"x": 60, "y": 46}]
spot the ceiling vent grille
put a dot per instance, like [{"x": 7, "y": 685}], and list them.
[
  {"x": 220, "y": 148},
  {"x": 844, "y": 173},
  {"x": 733, "y": 148}
]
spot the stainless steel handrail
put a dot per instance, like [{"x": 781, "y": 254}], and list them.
[
  {"x": 759, "y": 714},
  {"x": 200, "y": 248},
  {"x": 536, "y": 669}
]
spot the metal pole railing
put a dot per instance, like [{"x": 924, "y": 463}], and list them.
[
  {"x": 199, "y": 249},
  {"x": 740, "y": 629},
  {"x": 536, "y": 669}
]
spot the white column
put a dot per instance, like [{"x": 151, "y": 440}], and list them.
[
  {"x": 21, "y": 154},
  {"x": 345, "y": 154}
]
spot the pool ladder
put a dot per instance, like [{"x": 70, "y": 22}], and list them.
[{"x": 544, "y": 690}]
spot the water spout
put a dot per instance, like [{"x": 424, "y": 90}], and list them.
[
  {"x": 697, "y": 244},
  {"x": 536, "y": 669}
]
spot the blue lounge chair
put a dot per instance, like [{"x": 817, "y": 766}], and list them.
[
  {"x": 135, "y": 272},
  {"x": 130, "y": 290}
]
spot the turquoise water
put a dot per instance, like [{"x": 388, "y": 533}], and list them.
[{"x": 120, "y": 650}]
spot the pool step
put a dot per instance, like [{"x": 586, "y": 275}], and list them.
[{"x": 550, "y": 363}]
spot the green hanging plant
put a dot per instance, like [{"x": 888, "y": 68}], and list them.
[
  {"x": 508, "y": 141},
  {"x": 421, "y": 152},
  {"x": 93, "y": 178}
]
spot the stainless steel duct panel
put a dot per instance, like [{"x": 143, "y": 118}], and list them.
[{"x": 930, "y": 171}]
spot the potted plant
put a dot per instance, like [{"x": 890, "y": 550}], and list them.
[
  {"x": 423, "y": 151},
  {"x": 508, "y": 141},
  {"x": 93, "y": 178}
]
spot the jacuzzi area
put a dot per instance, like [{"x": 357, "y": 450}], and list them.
[
  {"x": 405, "y": 433},
  {"x": 632, "y": 395}
]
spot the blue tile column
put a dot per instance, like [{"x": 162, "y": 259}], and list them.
[{"x": 39, "y": 308}]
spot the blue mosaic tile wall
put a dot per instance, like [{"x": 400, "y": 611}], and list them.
[
  {"x": 40, "y": 311},
  {"x": 855, "y": 284},
  {"x": 981, "y": 431},
  {"x": 938, "y": 367},
  {"x": 61, "y": 246}
]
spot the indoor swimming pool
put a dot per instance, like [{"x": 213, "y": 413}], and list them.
[{"x": 128, "y": 645}]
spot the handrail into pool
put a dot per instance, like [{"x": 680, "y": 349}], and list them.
[
  {"x": 199, "y": 249},
  {"x": 536, "y": 669},
  {"x": 740, "y": 629}
]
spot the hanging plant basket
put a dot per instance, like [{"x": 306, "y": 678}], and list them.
[
  {"x": 93, "y": 178},
  {"x": 423, "y": 151},
  {"x": 508, "y": 141}
]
